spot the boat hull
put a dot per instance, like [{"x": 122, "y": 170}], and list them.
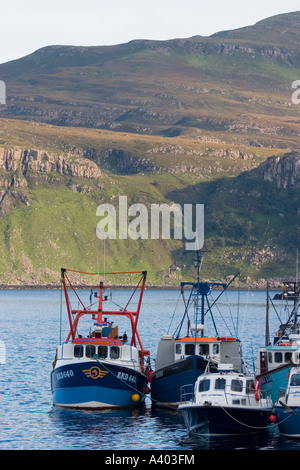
[
  {"x": 166, "y": 383},
  {"x": 274, "y": 382},
  {"x": 90, "y": 385},
  {"x": 288, "y": 424},
  {"x": 219, "y": 421}
]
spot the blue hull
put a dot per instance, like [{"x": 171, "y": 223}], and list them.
[
  {"x": 288, "y": 424},
  {"x": 91, "y": 385},
  {"x": 218, "y": 421},
  {"x": 166, "y": 382},
  {"x": 274, "y": 382}
]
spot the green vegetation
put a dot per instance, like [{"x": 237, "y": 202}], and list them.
[{"x": 185, "y": 121}]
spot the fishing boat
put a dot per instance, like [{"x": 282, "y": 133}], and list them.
[
  {"x": 180, "y": 359},
  {"x": 277, "y": 357},
  {"x": 99, "y": 368},
  {"x": 226, "y": 403},
  {"x": 287, "y": 408}
]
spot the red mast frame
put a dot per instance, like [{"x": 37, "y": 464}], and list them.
[{"x": 132, "y": 315}]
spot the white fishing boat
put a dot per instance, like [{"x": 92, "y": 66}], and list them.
[{"x": 225, "y": 403}]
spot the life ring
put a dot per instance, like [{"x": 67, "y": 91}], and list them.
[{"x": 257, "y": 390}]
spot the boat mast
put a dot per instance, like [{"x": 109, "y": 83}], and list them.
[
  {"x": 199, "y": 294},
  {"x": 267, "y": 334}
]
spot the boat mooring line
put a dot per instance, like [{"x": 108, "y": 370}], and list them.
[
  {"x": 126, "y": 383},
  {"x": 134, "y": 389},
  {"x": 240, "y": 422}
]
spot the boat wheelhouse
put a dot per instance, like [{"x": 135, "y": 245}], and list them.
[{"x": 100, "y": 369}]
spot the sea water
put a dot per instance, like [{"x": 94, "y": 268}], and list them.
[{"x": 33, "y": 322}]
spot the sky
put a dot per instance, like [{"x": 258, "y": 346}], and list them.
[{"x": 28, "y": 25}]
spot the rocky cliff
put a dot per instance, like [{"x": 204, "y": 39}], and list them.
[
  {"x": 283, "y": 171},
  {"x": 16, "y": 164}
]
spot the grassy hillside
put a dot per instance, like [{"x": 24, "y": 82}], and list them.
[{"x": 185, "y": 121}]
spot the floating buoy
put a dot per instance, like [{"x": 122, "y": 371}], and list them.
[
  {"x": 135, "y": 397},
  {"x": 273, "y": 419}
]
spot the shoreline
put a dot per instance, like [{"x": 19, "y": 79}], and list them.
[{"x": 127, "y": 287}]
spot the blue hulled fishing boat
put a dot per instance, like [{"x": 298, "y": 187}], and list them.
[
  {"x": 98, "y": 368},
  {"x": 277, "y": 357},
  {"x": 287, "y": 408},
  {"x": 180, "y": 359}
]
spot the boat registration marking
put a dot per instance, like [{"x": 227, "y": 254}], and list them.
[
  {"x": 128, "y": 377},
  {"x": 65, "y": 374}
]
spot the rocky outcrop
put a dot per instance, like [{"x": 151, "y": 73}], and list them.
[
  {"x": 283, "y": 171},
  {"x": 16, "y": 159},
  {"x": 15, "y": 163}
]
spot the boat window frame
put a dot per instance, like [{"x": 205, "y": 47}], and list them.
[
  {"x": 250, "y": 387},
  {"x": 206, "y": 385},
  {"x": 298, "y": 378},
  {"x": 178, "y": 348},
  {"x": 101, "y": 356},
  {"x": 186, "y": 347},
  {"x": 112, "y": 348},
  {"x": 270, "y": 357},
  {"x": 80, "y": 349},
  {"x": 286, "y": 358},
  {"x": 89, "y": 347},
  {"x": 276, "y": 355},
  {"x": 220, "y": 381},
  {"x": 236, "y": 385},
  {"x": 205, "y": 346}
]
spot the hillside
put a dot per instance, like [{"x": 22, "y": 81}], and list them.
[{"x": 199, "y": 120}]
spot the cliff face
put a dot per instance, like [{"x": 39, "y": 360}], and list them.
[
  {"x": 13, "y": 160},
  {"x": 283, "y": 171},
  {"x": 15, "y": 163}
]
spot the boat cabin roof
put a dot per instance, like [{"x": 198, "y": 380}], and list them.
[{"x": 204, "y": 339}]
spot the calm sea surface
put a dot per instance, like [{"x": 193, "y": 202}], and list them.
[{"x": 29, "y": 334}]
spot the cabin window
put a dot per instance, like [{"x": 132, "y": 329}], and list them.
[
  {"x": 220, "y": 384},
  {"x": 270, "y": 358},
  {"x": 204, "y": 349},
  {"x": 250, "y": 386},
  {"x": 114, "y": 352},
  {"x": 204, "y": 385},
  {"x": 78, "y": 350},
  {"x": 90, "y": 350},
  {"x": 215, "y": 348},
  {"x": 287, "y": 357},
  {"x": 278, "y": 357},
  {"x": 102, "y": 352},
  {"x": 295, "y": 380},
  {"x": 178, "y": 348},
  {"x": 189, "y": 349},
  {"x": 236, "y": 385}
]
